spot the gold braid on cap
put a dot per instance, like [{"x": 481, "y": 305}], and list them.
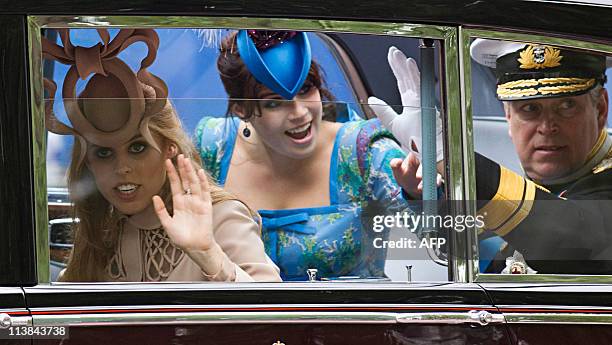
[
  {"x": 544, "y": 86},
  {"x": 102, "y": 59}
]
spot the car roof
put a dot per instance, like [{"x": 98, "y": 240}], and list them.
[{"x": 589, "y": 19}]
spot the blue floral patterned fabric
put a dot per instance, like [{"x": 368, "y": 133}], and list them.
[{"x": 336, "y": 239}]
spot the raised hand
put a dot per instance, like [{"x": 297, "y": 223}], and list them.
[
  {"x": 191, "y": 225},
  {"x": 406, "y": 127}
]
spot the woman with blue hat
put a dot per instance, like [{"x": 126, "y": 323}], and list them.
[{"x": 316, "y": 183}]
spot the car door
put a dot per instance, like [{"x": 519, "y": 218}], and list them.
[
  {"x": 559, "y": 313},
  {"x": 541, "y": 307},
  {"x": 293, "y": 313}
]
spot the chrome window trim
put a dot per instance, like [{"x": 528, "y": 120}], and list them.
[
  {"x": 113, "y": 287},
  {"x": 174, "y": 318},
  {"x": 447, "y": 34},
  {"x": 553, "y": 309},
  {"x": 469, "y": 165},
  {"x": 522, "y": 37},
  {"x": 460, "y": 139},
  {"x": 39, "y": 149},
  {"x": 474, "y": 317},
  {"x": 542, "y": 278},
  {"x": 382, "y": 28},
  {"x": 558, "y": 319},
  {"x": 249, "y": 307}
]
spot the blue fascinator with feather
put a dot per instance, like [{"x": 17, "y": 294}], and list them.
[{"x": 280, "y": 60}]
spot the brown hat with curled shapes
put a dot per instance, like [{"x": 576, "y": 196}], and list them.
[{"x": 113, "y": 104}]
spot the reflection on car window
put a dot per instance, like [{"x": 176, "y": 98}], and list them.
[
  {"x": 295, "y": 183},
  {"x": 543, "y": 169}
]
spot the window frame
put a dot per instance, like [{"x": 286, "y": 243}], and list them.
[
  {"x": 465, "y": 36},
  {"x": 450, "y": 93}
]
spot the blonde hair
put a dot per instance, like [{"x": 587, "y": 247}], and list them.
[{"x": 96, "y": 235}]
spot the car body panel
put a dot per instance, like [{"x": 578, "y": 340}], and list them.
[
  {"x": 12, "y": 301},
  {"x": 296, "y": 313},
  {"x": 555, "y": 313},
  {"x": 298, "y": 333},
  {"x": 69, "y": 295},
  {"x": 526, "y": 15},
  {"x": 17, "y": 256}
]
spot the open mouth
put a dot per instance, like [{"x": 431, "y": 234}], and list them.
[
  {"x": 127, "y": 189},
  {"x": 299, "y": 132}
]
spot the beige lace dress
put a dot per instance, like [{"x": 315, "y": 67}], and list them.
[{"x": 146, "y": 254}]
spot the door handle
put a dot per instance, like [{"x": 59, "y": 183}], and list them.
[{"x": 474, "y": 317}]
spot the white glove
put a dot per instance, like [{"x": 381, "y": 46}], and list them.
[{"x": 406, "y": 127}]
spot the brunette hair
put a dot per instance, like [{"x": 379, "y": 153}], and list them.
[{"x": 242, "y": 87}]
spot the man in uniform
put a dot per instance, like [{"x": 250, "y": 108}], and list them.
[{"x": 558, "y": 216}]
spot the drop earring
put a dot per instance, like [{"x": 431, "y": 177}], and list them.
[{"x": 246, "y": 131}]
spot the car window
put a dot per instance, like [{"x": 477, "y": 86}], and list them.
[
  {"x": 353, "y": 222},
  {"x": 540, "y": 114}
]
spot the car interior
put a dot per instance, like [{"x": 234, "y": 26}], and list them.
[{"x": 354, "y": 67}]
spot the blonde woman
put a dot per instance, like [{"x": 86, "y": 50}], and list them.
[{"x": 147, "y": 210}]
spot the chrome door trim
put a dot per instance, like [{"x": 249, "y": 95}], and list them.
[
  {"x": 214, "y": 318},
  {"x": 474, "y": 317},
  {"x": 558, "y": 319},
  {"x": 39, "y": 149},
  {"x": 556, "y": 314},
  {"x": 542, "y": 278},
  {"x": 460, "y": 127},
  {"x": 459, "y": 267}
]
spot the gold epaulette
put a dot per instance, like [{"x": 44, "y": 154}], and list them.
[
  {"x": 511, "y": 204},
  {"x": 605, "y": 164}
]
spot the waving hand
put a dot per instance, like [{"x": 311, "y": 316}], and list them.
[
  {"x": 191, "y": 225},
  {"x": 406, "y": 127}
]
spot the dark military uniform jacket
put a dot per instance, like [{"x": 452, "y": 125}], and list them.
[{"x": 567, "y": 231}]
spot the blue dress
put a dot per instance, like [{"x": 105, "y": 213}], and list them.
[{"x": 337, "y": 239}]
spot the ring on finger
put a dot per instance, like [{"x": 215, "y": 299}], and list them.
[{"x": 188, "y": 191}]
